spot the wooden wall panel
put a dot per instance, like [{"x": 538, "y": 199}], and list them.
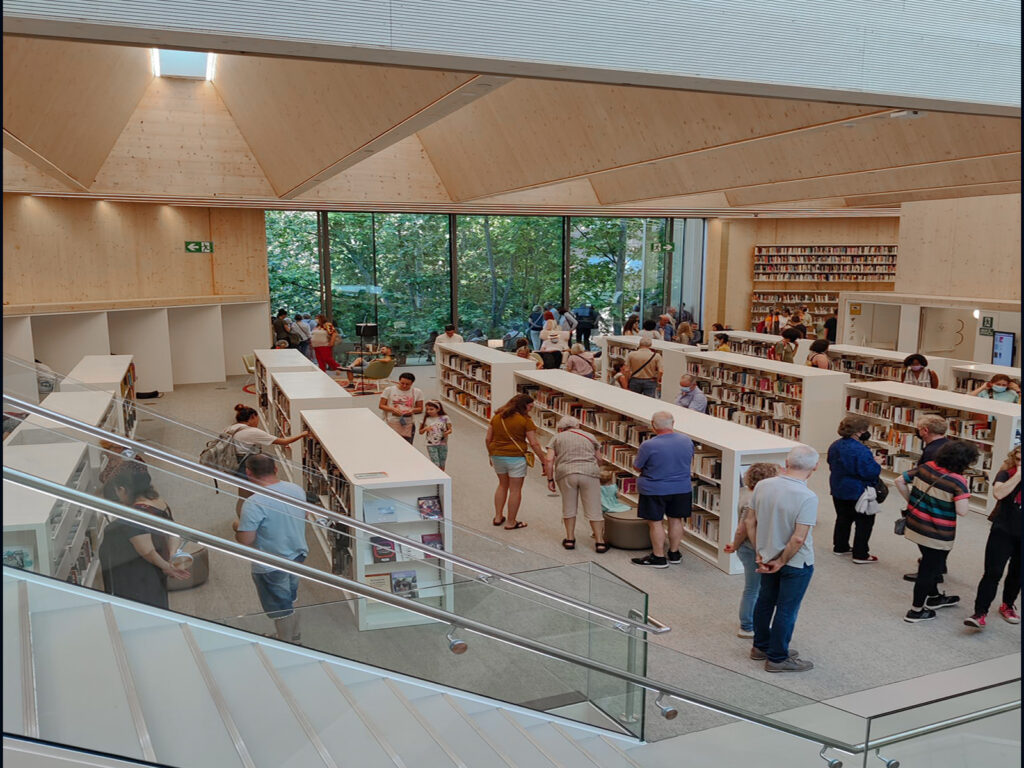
[
  {"x": 968, "y": 247},
  {"x": 300, "y": 117},
  {"x": 22, "y": 176},
  {"x": 873, "y": 144},
  {"x": 69, "y": 101},
  {"x": 534, "y": 132},
  {"x": 63, "y": 251}
]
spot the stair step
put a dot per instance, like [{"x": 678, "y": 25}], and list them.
[
  {"x": 268, "y": 727},
  {"x": 82, "y": 699},
  {"x": 604, "y": 753},
  {"x": 184, "y": 723},
  {"x": 411, "y": 741},
  {"x": 458, "y": 731},
  {"x": 561, "y": 748},
  {"x": 14, "y": 716},
  {"x": 509, "y": 740},
  {"x": 341, "y": 730}
]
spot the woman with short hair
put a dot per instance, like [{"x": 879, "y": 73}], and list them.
[
  {"x": 853, "y": 468},
  {"x": 572, "y": 465},
  {"x": 918, "y": 373},
  {"x": 818, "y": 355}
]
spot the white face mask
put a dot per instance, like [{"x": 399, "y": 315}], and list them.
[{"x": 998, "y": 388}]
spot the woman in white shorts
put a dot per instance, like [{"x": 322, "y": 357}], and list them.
[{"x": 509, "y": 434}]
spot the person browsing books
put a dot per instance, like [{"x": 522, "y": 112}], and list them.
[
  {"x": 644, "y": 368},
  {"x": 400, "y": 403},
  {"x": 690, "y": 395},
  {"x": 437, "y": 427}
]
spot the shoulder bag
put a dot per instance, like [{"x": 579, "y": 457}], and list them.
[
  {"x": 527, "y": 453},
  {"x": 899, "y": 527},
  {"x": 634, "y": 373}
]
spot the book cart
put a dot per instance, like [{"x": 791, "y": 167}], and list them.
[
  {"x": 110, "y": 373},
  {"x": 270, "y": 361},
  {"x": 359, "y": 467},
  {"x": 993, "y": 426},
  {"x": 47, "y": 535},
  {"x": 475, "y": 379},
  {"x": 793, "y": 401},
  {"x": 967, "y": 377},
  {"x": 291, "y": 393},
  {"x": 673, "y": 360},
  {"x": 620, "y": 420}
]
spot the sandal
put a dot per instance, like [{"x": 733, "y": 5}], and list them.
[
  {"x": 498, "y": 522},
  {"x": 569, "y": 543},
  {"x": 601, "y": 547},
  {"x": 519, "y": 524}
]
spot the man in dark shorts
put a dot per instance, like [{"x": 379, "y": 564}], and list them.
[{"x": 665, "y": 488}]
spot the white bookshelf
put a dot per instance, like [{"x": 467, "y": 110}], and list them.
[
  {"x": 96, "y": 408},
  {"x": 793, "y": 401},
  {"x": 621, "y": 419},
  {"x": 993, "y": 426},
  {"x": 109, "y": 373},
  {"x": 476, "y": 379},
  {"x": 673, "y": 359},
  {"x": 379, "y": 479},
  {"x": 270, "y": 361},
  {"x": 60, "y": 539},
  {"x": 291, "y": 393},
  {"x": 145, "y": 334},
  {"x": 969, "y": 376},
  {"x": 761, "y": 345}
]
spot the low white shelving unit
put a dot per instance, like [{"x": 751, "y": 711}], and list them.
[
  {"x": 870, "y": 364},
  {"x": 760, "y": 344},
  {"x": 969, "y": 376},
  {"x": 47, "y": 535},
  {"x": 270, "y": 361},
  {"x": 110, "y": 373},
  {"x": 292, "y": 392},
  {"x": 673, "y": 359},
  {"x": 793, "y": 401},
  {"x": 620, "y": 420},
  {"x": 96, "y": 408},
  {"x": 476, "y": 379},
  {"x": 380, "y": 479},
  {"x": 993, "y": 426}
]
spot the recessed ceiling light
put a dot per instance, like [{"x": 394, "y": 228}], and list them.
[
  {"x": 154, "y": 61},
  {"x": 211, "y": 65}
]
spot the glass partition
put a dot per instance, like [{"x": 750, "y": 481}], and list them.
[{"x": 293, "y": 261}]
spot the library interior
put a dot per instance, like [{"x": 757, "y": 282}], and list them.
[{"x": 422, "y": 387}]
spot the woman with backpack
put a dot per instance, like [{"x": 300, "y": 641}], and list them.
[{"x": 248, "y": 439}]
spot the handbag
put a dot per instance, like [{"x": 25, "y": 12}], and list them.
[
  {"x": 527, "y": 453},
  {"x": 881, "y": 491}
]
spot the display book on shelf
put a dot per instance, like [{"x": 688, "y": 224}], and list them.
[
  {"x": 793, "y": 401},
  {"x": 110, "y": 373},
  {"x": 48, "y": 535},
  {"x": 292, "y": 392},
  {"x": 673, "y": 360},
  {"x": 475, "y": 378},
  {"x": 381, "y": 479},
  {"x": 893, "y": 408},
  {"x": 269, "y": 361},
  {"x": 619, "y": 420},
  {"x": 967, "y": 377}
]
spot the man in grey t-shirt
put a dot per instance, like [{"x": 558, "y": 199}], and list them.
[{"x": 785, "y": 512}]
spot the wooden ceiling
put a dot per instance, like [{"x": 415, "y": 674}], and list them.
[{"x": 88, "y": 119}]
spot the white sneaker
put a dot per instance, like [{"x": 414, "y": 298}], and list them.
[{"x": 746, "y": 633}]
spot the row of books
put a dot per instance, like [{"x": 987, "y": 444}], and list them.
[
  {"x": 762, "y": 382},
  {"x": 402, "y": 583},
  {"x": 474, "y": 387},
  {"x": 796, "y": 297},
  {"x": 467, "y": 401},
  {"x": 626, "y": 481},
  {"x": 793, "y": 269},
  {"x": 708, "y": 497},
  {"x": 708, "y": 465},
  {"x": 817, "y": 277},
  {"x": 384, "y": 550},
  {"x": 467, "y": 367},
  {"x": 324, "y": 477},
  {"x": 859, "y": 367},
  {"x": 751, "y": 401},
  {"x": 762, "y": 349},
  {"x": 822, "y": 249},
  {"x": 703, "y": 525},
  {"x": 816, "y": 259},
  {"x": 617, "y": 453}
]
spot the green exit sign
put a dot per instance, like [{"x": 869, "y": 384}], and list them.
[{"x": 199, "y": 246}]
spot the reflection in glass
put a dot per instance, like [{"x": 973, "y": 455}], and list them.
[{"x": 293, "y": 261}]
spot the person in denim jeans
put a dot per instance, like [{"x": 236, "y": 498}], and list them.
[
  {"x": 743, "y": 545},
  {"x": 785, "y": 511},
  {"x": 644, "y": 369}
]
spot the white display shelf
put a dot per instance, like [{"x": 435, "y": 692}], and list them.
[
  {"x": 109, "y": 373},
  {"x": 969, "y": 376},
  {"x": 762, "y": 345},
  {"x": 60, "y": 538},
  {"x": 673, "y": 359},
  {"x": 378, "y": 479},
  {"x": 794, "y": 401},
  {"x": 476, "y": 379},
  {"x": 614, "y": 412},
  {"x": 993, "y": 426},
  {"x": 270, "y": 361},
  {"x": 291, "y": 393},
  {"x": 96, "y": 408}
]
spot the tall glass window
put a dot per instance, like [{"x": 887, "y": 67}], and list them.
[
  {"x": 293, "y": 261},
  {"x": 506, "y": 265},
  {"x": 685, "y": 283},
  {"x": 606, "y": 267},
  {"x": 353, "y": 282}
]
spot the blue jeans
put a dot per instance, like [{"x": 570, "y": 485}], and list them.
[
  {"x": 647, "y": 387},
  {"x": 535, "y": 340},
  {"x": 781, "y": 593},
  {"x": 751, "y": 585},
  {"x": 277, "y": 591}
]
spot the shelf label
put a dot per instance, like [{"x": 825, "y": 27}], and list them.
[
  {"x": 199, "y": 246},
  {"x": 369, "y": 475}
]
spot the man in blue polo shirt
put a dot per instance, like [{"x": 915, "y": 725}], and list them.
[{"x": 665, "y": 488}]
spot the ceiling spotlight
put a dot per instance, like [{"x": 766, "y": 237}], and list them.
[
  {"x": 905, "y": 114},
  {"x": 668, "y": 711},
  {"x": 456, "y": 646},
  {"x": 976, "y": 313}
]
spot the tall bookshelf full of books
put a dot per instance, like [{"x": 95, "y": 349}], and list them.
[
  {"x": 382, "y": 480},
  {"x": 893, "y": 409},
  {"x": 476, "y": 379},
  {"x": 270, "y": 361},
  {"x": 292, "y": 392},
  {"x": 110, "y": 373},
  {"x": 673, "y": 359},
  {"x": 798, "y": 274},
  {"x": 793, "y": 401},
  {"x": 620, "y": 420}
]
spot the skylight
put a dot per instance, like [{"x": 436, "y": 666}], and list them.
[{"x": 189, "y": 64}]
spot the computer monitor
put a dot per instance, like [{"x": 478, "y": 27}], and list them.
[
  {"x": 366, "y": 330},
  {"x": 1003, "y": 347}
]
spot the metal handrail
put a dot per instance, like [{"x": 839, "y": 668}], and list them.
[
  {"x": 301, "y": 570},
  {"x": 351, "y": 522}
]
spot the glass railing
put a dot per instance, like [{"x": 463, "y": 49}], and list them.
[{"x": 495, "y": 558}]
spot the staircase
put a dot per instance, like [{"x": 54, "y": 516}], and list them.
[{"x": 104, "y": 674}]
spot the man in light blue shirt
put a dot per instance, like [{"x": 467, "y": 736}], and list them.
[
  {"x": 278, "y": 528},
  {"x": 690, "y": 395}
]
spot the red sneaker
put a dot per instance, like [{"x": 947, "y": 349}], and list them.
[
  {"x": 977, "y": 621},
  {"x": 1009, "y": 613}
]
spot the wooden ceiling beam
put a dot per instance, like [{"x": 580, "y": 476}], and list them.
[
  {"x": 13, "y": 144},
  {"x": 943, "y": 193}
]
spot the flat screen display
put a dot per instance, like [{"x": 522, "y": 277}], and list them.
[{"x": 1003, "y": 343}]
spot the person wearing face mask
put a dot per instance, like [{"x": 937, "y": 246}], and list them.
[
  {"x": 852, "y": 468},
  {"x": 690, "y": 395},
  {"x": 999, "y": 387},
  {"x": 918, "y": 373}
]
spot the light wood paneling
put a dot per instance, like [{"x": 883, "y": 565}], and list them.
[
  {"x": 17, "y": 147},
  {"x": 968, "y": 247},
  {"x": 182, "y": 140},
  {"x": 22, "y": 176},
  {"x": 69, "y": 101},
  {"x": 302, "y": 117},
  {"x": 872, "y": 144},
  {"x": 943, "y": 193},
  {"x": 59, "y": 250},
  {"x": 953, "y": 174}
]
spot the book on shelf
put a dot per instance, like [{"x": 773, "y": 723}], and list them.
[
  {"x": 383, "y": 550},
  {"x": 405, "y": 552},
  {"x": 430, "y": 507},
  {"x": 381, "y": 581},
  {"x": 434, "y": 540},
  {"x": 403, "y": 583}
]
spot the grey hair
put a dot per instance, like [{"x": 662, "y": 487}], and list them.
[
  {"x": 803, "y": 457},
  {"x": 567, "y": 422},
  {"x": 687, "y": 377},
  {"x": 662, "y": 420},
  {"x": 577, "y": 349},
  {"x": 645, "y": 341}
]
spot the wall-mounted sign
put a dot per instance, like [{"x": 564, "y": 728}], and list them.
[
  {"x": 199, "y": 246},
  {"x": 986, "y": 332},
  {"x": 986, "y": 322},
  {"x": 855, "y": 309}
]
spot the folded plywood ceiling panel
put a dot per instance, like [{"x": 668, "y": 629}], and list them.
[
  {"x": 22, "y": 176},
  {"x": 956, "y": 173},
  {"x": 869, "y": 144},
  {"x": 944, "y": 193},
  {"x": 533, "y": 132},
  {"x": 66, "y": 103},
  {"x": 181, "y": 140},
  {"x": 308, "y": 120}
]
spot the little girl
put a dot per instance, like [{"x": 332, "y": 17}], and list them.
[
  {"x": 744, "y": 547},
  {"x": 436, "y": 426},
  {"x": 610, "y": 501}
]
